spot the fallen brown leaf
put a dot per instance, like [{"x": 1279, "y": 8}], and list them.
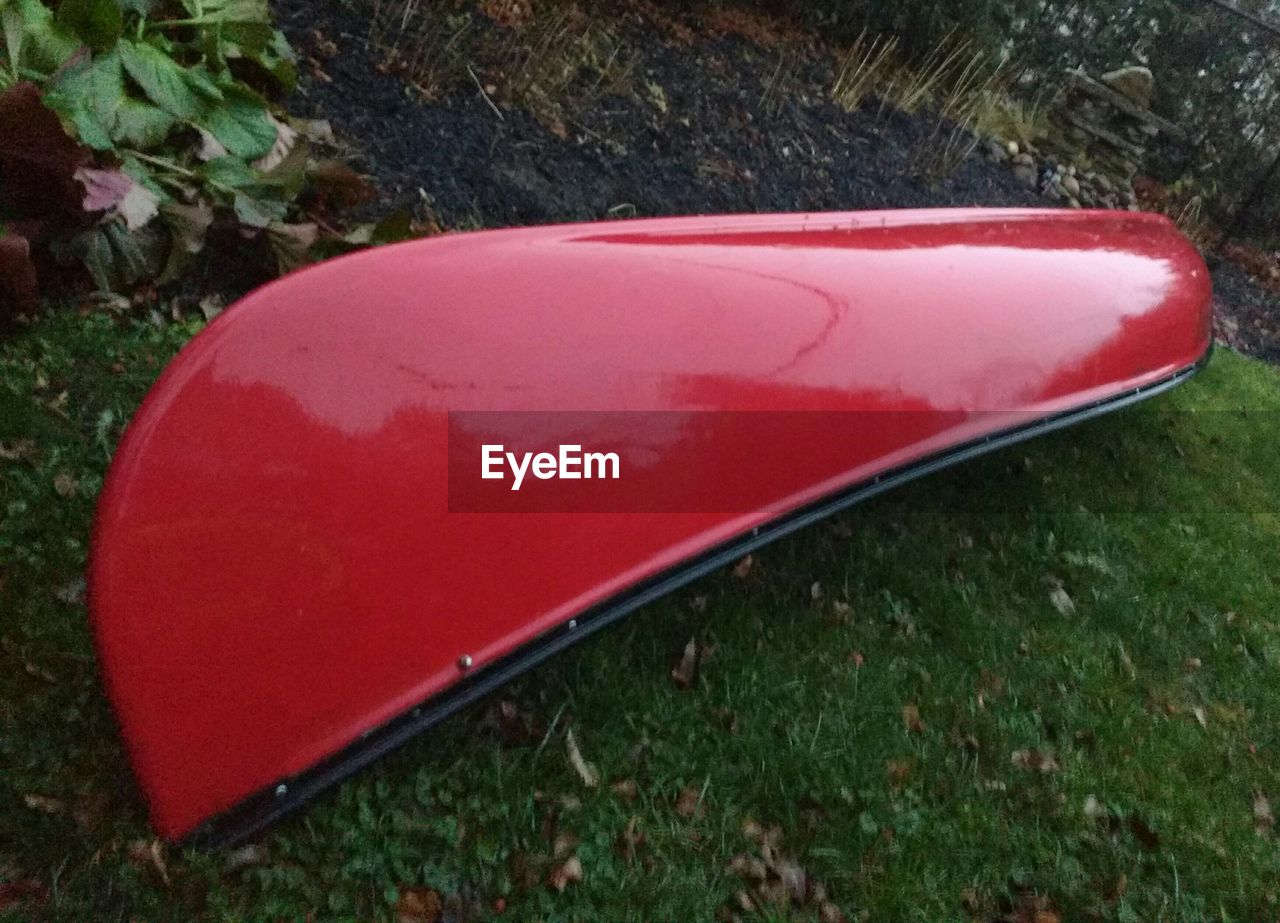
[
  {"x": 564, "y": 844},
  {"x": 43, "y": 803},
  {"x": 743, "y": 567},
  {"x": 586, "y": 772},
  {"x": 150, "y": 853},
  {"x": 563, "y": 875},
  {"x": 911, "y": 719},
  {"x": 626, "y": 789},
  {"x": 247, "y": 856},
  {"x": 1263, "y": 820},
  {"x": 690, "y": 803},
  {"x": 630, "y": 841},
  {"x": 1035, "y": 761},
  {"x": 830, "y": 913},
  {"x": 761, "y": 835},
  {"x": 685, "y": 673},
  {"x": 39, "y": 672},
  {"x": 65, "y": 485},
  {"x": 1061, "y": 601},
  {"x": 419, "y": 905},
  {"x": 727, "y": 717},
  {"x": 748, "y": 867},
  {"x": 898, "y": 771}
]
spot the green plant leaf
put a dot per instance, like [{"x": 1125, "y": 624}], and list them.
[
  {"x": 256, "y": 212},
  {"x": 228, "y": 171},
  {"x": 11, "y": 23},
  {"x": 98, "y": 23},
  {"x": 162, "y": 79},
  {"x": 240, "y": 123},
  {"x": 89, "y": 94},
  {"x": 45, "y": 43},
  {"x": 142, "y": 125}
]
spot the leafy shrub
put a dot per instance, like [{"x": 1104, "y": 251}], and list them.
[{"x": 127, "y": 126}]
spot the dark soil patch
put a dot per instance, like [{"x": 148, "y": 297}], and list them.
[
  {"x": 1247, "y": 315},
  {"x": 713, "y": 144},
  {"x": 714, "y": 150}
]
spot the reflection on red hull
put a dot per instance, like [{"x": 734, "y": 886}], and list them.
[{"x": 277, "y": 573}]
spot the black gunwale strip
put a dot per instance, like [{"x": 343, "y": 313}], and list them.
[{"x": 269, "y": 804}]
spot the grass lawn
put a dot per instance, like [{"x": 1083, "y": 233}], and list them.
[{"x": 897, "y": 709}]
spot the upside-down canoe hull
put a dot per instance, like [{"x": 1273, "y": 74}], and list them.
[{"x": 296, "y": 564}]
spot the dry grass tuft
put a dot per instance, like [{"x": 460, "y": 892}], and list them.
[
  {"x": 999, "y": 115},
  {"x": 551, "y": 58},
  {"x": 863, "y": 70}
]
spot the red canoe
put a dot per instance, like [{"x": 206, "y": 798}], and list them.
[{"x": 298, "y": 562}]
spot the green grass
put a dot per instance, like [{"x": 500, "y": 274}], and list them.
[{"x": 1160, "y": 522}]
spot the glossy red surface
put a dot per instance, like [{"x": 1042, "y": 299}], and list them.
[{"x": 275, "y": 568}]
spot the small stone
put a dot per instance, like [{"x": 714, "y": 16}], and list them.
[
  {"x": 1012, "y": 148},
  {"x": 1071, "y": 185},
  {"x": 1073, "y": 203},
  {"x": 1025, "y": 175}
]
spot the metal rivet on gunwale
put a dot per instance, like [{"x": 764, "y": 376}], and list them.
[
  {"x": 464, "y": 662},
  {"x": 573, "y": 623},
  {"x": 282, "y": 790}
]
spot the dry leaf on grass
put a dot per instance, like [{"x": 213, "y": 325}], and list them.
[
  {"x": 1035, "y": 761},
  {"x": 685, "y": 673},
  {"x": 911, "y": 719},
  {"x": 626, "y": 789},
  {"x": 898, "y": 771},
  {"x": 630, "y": 841},
  {"x": 418, "y": 905},
  {"x": 565, "y": 843},
  {"x": 150, "y": 853},
  {"x": 1263, "y": 820},
  {"x": 247, "y": 856},
  {"x": 565, "y": 874},
  {"x": 689, "y": 804},
  {"x": 1061, "y": 601},
  {"x": 586, "y": 772},
  {"x": 743, "y": 567},
  {"x": 43, "y": 803}
]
